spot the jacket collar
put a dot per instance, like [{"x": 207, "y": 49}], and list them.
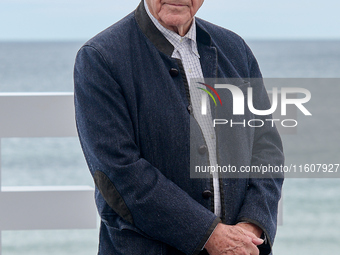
[{"x": 157, "y": 38}]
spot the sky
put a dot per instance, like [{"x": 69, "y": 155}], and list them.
[{"x": 34, "y": 20}]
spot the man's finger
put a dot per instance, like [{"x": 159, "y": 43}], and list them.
[{"x": 257, "y": 241}]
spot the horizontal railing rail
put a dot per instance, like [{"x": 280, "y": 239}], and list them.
[{"x": 45, "y": 207}]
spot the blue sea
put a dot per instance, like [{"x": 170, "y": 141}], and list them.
[{"x": 311, "y": 207}]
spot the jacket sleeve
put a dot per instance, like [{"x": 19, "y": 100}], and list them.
[
  {"x": 260, "y": 206},
  {"x": 136, "y": 190}
]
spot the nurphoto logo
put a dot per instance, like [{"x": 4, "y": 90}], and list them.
[{"x": 238, "y": 105}]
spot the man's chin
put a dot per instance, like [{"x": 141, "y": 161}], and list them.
[{"x": 176, "y": 21}]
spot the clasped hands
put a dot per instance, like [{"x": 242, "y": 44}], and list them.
[{"x": 241, "y": 239}]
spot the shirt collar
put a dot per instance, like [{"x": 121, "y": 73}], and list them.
[{"x": 174, "y": 38}]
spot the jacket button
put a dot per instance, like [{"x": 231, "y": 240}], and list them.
[
  {"x": 207, "y": 194},
  {"x": 202, "y": 149},
  {"x": 189, "y": 109},
  {"x": 174, "y": 72}
]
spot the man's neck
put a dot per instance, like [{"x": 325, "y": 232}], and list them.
[{"x": 182, "y": 30}]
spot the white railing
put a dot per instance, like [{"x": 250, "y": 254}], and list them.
[{"x": 46, "y": 207}]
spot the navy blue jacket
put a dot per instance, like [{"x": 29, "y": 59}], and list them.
[{"x": 133, "y": 117}]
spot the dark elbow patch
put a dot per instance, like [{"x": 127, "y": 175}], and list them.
[{"x": 112, "y": 196}]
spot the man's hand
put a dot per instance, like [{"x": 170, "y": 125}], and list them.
[
  {"x": 251, "y": 228},
  {"x": 232, "y": 240}
]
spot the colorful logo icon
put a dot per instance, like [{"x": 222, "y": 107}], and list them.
[{"x": 209, "y": 93}]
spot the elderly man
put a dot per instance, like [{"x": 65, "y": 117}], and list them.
[{"x": 136, "y": 106}]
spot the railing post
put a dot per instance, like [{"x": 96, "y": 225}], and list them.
[{"x": 0, "y": 194}]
